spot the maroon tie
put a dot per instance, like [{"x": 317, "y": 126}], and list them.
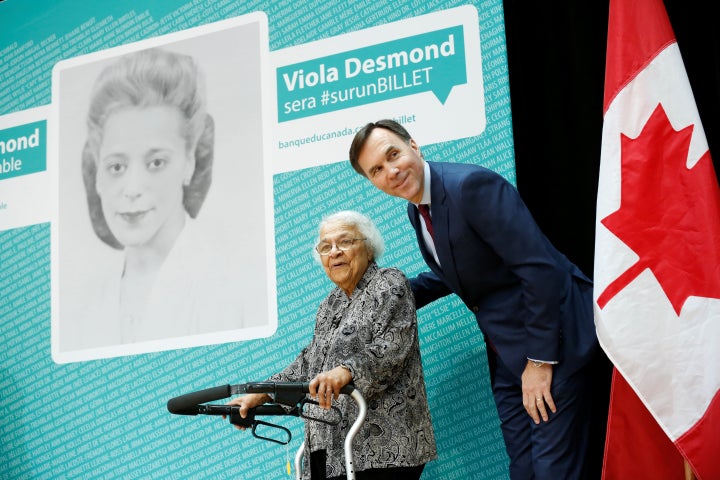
[{"x": 425, "y": 212}]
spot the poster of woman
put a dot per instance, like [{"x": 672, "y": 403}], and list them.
[{"x": 163, "y": 233}]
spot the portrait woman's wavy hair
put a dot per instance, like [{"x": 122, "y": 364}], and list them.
[{"x": 148, "y": 78}]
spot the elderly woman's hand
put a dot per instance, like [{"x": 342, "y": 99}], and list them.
[
  {"x": 247, "y": 402},
  {"x": 327, "y": 385}
]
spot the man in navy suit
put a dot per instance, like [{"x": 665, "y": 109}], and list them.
[{"x": 532, "y": 304}]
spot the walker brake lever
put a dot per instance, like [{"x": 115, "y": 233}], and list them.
[
  {"x": 302, "y": 413},
  {"x": 251, "y": 422}
]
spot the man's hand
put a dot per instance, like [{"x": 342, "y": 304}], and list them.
[
  {"x": 536, "y": 381},
  {"x": 327, "y": 385}
]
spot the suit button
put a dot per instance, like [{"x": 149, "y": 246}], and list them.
[{"x": 475, "y": 309}]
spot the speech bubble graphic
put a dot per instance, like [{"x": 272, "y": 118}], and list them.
[
  {"x": 432, "y": 61},
  {"x": 22, "y": 150}
]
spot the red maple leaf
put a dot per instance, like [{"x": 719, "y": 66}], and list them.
[{"x": 669, "y": 215}]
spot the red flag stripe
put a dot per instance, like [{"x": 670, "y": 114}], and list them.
[
  {"x": 636, "y": 446},
  {"x": 701, "y": 444},
  {"x": 630, "y": 50}
]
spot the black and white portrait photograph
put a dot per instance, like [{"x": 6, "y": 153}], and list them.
[{"x": 163, "y": 233}]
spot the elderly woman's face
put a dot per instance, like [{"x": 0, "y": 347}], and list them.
[
  {"x": 345, "y": 268},
  {"x": 141, "y": 167}
]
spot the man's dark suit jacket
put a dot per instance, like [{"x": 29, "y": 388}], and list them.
[{"x": 529, "y": 300}]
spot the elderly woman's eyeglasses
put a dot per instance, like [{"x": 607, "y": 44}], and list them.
[{"x": 344, "y": 244}]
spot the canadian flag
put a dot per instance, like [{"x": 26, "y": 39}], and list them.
[{"x": 657, "y": 257}]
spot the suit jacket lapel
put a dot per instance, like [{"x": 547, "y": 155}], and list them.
[{"x": 439, "y": 211}]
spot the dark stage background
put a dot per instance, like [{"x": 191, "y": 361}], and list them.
[{"x": 556, "y": 58}]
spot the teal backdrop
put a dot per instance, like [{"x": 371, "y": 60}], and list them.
[{"x": 107, "y": 418}]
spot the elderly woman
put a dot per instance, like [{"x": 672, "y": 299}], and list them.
[
  {"x": 365, "y": 333},
  {"x": 146, "y": 169}
]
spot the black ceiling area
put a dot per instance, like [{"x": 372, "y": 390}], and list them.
[{"x": 556, "y": 58}]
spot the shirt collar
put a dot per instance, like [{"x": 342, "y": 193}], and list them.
[
  {"x": 339, "y": 293},
  {"x": 371, "y": 269},
  {"x": 425, "y": 200}
]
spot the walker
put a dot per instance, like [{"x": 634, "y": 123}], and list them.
[{"x": 290, "y": 399}]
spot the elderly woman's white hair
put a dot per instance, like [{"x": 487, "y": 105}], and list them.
[{"x": 366, "y": 227}]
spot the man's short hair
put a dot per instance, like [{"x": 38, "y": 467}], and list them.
[{"x": 362, "y": 135}]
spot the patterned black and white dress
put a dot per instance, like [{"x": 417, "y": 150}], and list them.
[{"x": 374, "y": 333}]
